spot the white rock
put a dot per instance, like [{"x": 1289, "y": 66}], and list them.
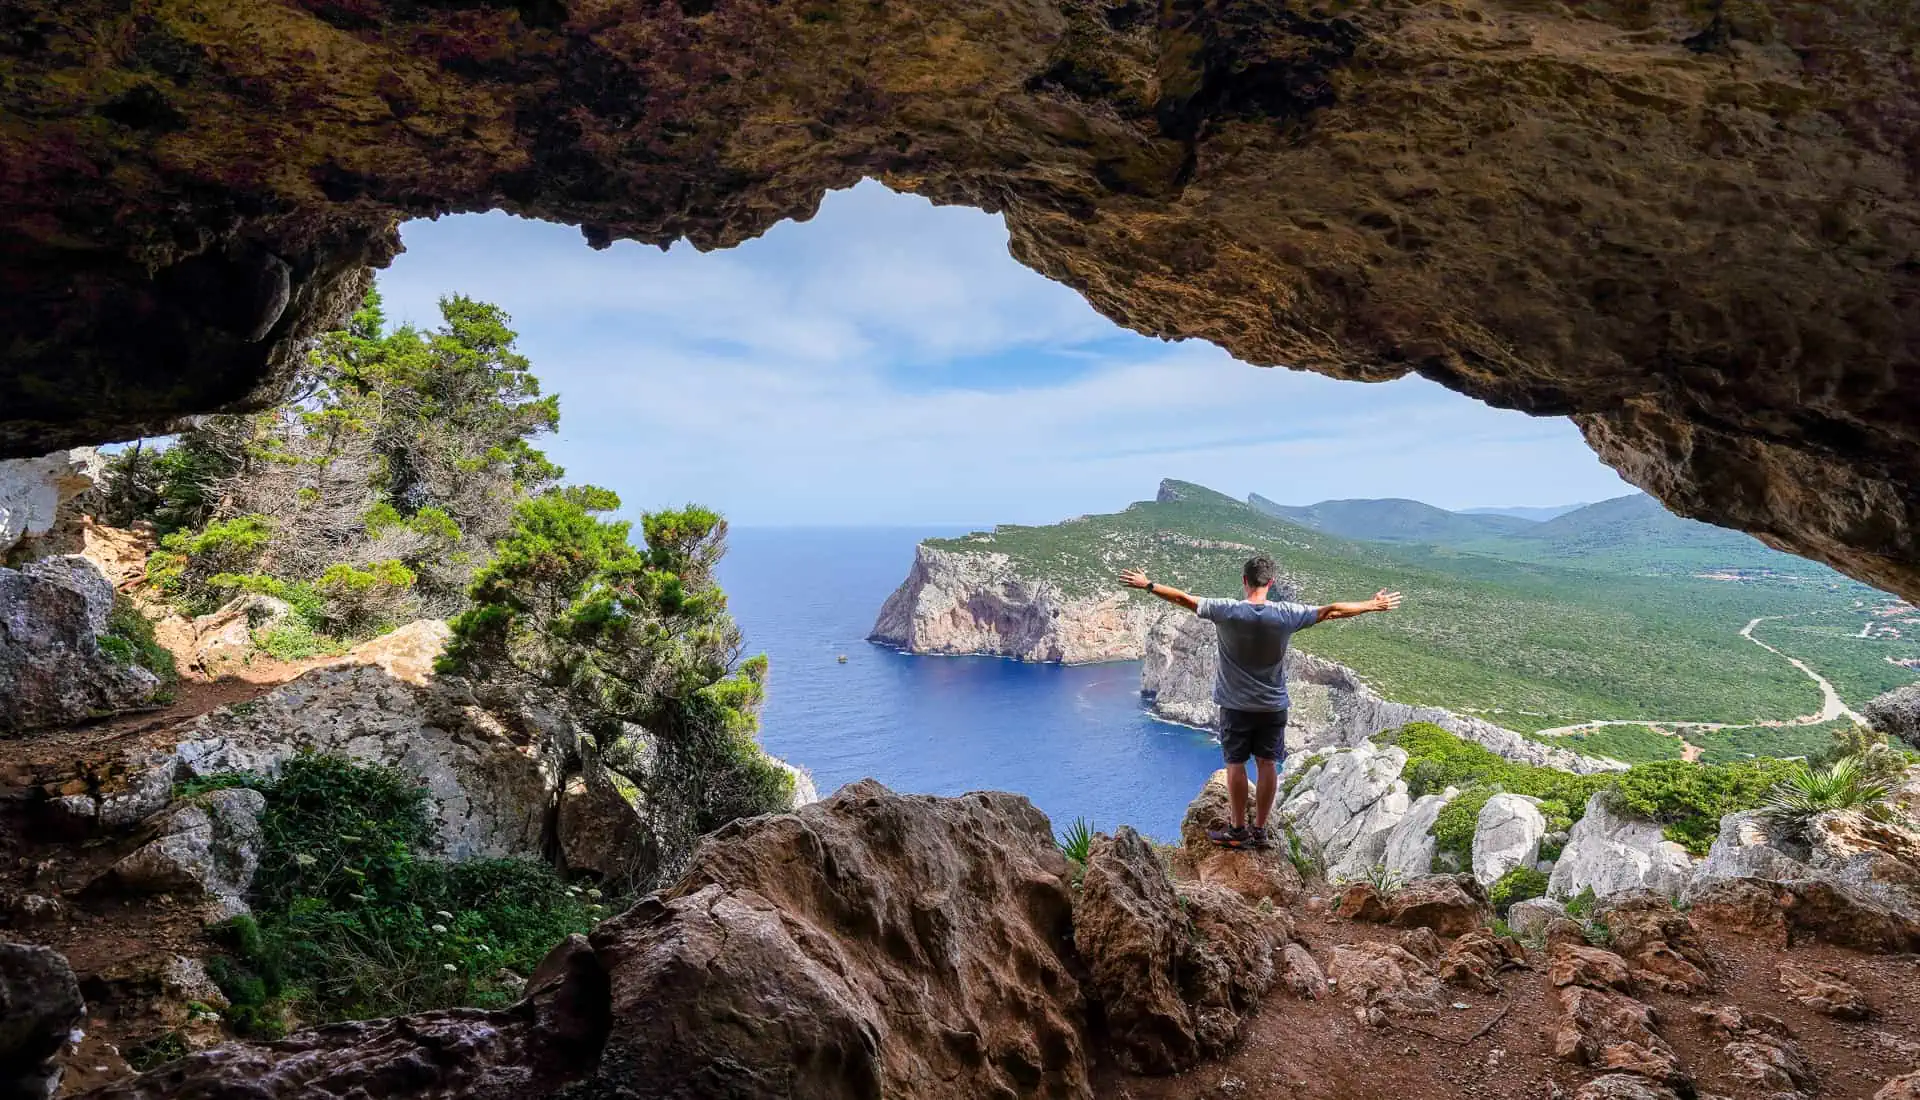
[
  {"x": 1506, "y": 835},
  {"x": 32, "y": 491},
  {"x": 1346, "y": 807},
  {"x": 1612, "y": 854},
  {"x": 1176, "y": 672},
  {"x": 1530, "y": 917},
  {"x": 209, "y": 847},
  {"x": 1411, "y": 844}
]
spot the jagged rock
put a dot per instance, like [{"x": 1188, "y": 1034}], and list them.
[
  {"x": 1174, "y": 976},
  {"x": 600, "y": 828},
  {"x": 1612, "y": 1031},
  {"x": 1451, "y": 905},
  {"x": 869, "y": 944},
  {"x": 209, "y": 847},
  {"x": 1529, "y": 918},
  {"x": 954, "y": 603},
  {"x": 1476, "y": 958},
  {"x": 1411, "y": 844},
  {"x": 1904, "y": 1087},
  {"x": 30, "y": 910},
  {"x": 1421, "y": 943},
  {"x": 1896, "y": 714},
  {"x": 1256, "y": 874},
  {"x": 1301, "y": 974},
  {"x": 52, "y": 669},
  {"x": 1761, "y": 1050},
  {"x": 1657, "y": 940},
  {"x": 1785, "y": 912},
  {"x": 1826, "y": 993},
  {"x": 81, "y": 575},
  {"x": 406, "y": 654},
  {"x": 1624, "y": 1086},
  {"x": 1846, "y": 876},
  {"x": 1612, "y": 854},
  {"x": 1381, "y": 981},
  {"x": 1360, "y": 901},
  {"x": 40, "y": 1007},
  {"x": 1593, "y": 967},
  {"x": 1506, "y": 835},
  {"x": 1564, "y": 930},
  {"x": 538, "y": 1045},
  {"x": 34, "y": 492},
  {"x": 1176, "y": 676},
  {"x": 1345, "y": 807}
]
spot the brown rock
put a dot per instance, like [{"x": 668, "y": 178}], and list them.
[
  {"x": 1449, "y": 904},
  {"x": 1301, "y": 974},
  {"x": 1577, "y": 964},
  {"x": 1611, "y": 1031},
  {"x": 1803, "y": 909},
  {"x": 1624, "y": 1086},
  {"x": 600, "y": 830},
  {"x": 1360, "y": 901},
  {"x": 1657, "y": 940},
  {"x": 1565, "y": 930},
  {"x": 42, "y": 1007},
  {"x": 1823, "y": 993},
  {"x": 1226, "y": 964},
  {"x": 1423, "y": 943},
  {"x": 1762, "y": 1050},
  {"x": 1475, "y": 959},
  {"x": 1381, "y": 981},
  {"x": 1905, "y": 1087},
  {"x": 1264, "y": 874}
]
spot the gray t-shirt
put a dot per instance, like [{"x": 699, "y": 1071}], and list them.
[{"x": 1252, "y": 673}]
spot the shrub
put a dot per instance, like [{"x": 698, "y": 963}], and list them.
[
  {"x": 1453, "y": 829},
  {"x": 1805, "y": 792},
  {"x": 1075, "y": 840},
  {"x": 1516, "y": 885},
  {"x": 1437, "y": 760},
  {"x": 1581, "y": 905},
  {"x": 353, "y": 919},
  {"x": 360, "y": 600},
  {"x": 185, "y": 563},
  {"x": 1690, "y": 799},
  {"x": 130, "y": 640}
]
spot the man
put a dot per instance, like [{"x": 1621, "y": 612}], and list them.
[{"x": 1250, "y": 682}]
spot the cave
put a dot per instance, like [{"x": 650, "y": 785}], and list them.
[{"x": 1690, "y": 225}]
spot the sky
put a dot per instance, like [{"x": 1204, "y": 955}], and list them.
[{"x": 887, "y": 362}]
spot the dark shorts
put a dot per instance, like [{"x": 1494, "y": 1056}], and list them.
[{"x": 1261, "y": 733}]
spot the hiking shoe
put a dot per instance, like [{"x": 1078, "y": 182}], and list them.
[
  {"x": 1257, "y": 836},
  {"x": 1235, "y": 836}
]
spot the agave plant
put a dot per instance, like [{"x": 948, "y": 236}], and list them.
[
  {"x": 1807, "y": 792},
  {"x": 1076, "y": 840}
]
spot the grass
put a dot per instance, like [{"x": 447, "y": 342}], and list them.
[
  {"x": 1526, "y": 645},
  {"x": 354, "y": 919}
]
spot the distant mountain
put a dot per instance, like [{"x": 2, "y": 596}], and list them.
[
  {"x": 1392, "y": 520},
  {"x": 1536, "y": 514}
]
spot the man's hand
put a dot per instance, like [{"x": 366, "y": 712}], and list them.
[
  {"x": 1133, "y": 578},
  {"x": 1384, "y": 600}
]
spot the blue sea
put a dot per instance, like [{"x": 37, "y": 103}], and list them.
[{"x": 1073, "y": 739}]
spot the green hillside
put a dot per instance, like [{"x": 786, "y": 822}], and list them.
[
  {"x": 1526, "y": 644},
  {"x": 1393, "y": 520}
]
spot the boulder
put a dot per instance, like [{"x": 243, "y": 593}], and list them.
[
  {"x": 1827, "y": 993},
  {"x": 1411, "y": 845},
  {"x": 531, "y": 1049},
  {"x": 1592, "y": 967},
  {"x": 35, "y": 492},
  {"x": 1897, "y": 714},
  {"x": 1904, "y": 1087},
  {"x": 1300, "y": 974},
  {"x": 1610, "y": 853},
  {"x": 52, "y": 670},
  {"x": 1657, "y": 940},
  {"x": 1421, "y": 943},
  {"x": 407, "y": 654},
  {"x": 1877, "y": 862},
  {"x": 1345, "y": 807},
  {"x": 80, "y": 574},
  {"x": 1451, "y": 905},
  {"x": 1383, "y": 981},
  {"x": 1475, "y": 959},
  {"x": 1360, "y": 901},
  {"x": 600, "y": 828},
  {"x": 1804, "y": 909},
  {"x": 1529, "y": 918},
  {"x": 206, "y": 848},
  {"x": 1174, "y": 975},
  {"x": 40, "y": 1008},
  {"x": 1506, "y": 835},
  {"x": 1611, "y": 1031},
  {"x": 1256, "y": 874},
  {"x": 1760, "y": 1048}
]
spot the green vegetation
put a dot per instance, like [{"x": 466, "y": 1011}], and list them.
[
  {"x": 352, "y": 919},
  {"x": 129, "y": 640},
  {"x": 1628, "y": 744},
  {"x": 1076, "y": 840},
  {"x": 1804, "y": 793},
  {"x": 1753, "y": 742},
  {"x": 1581, "y": 905},
  {"x": 1859, "y": 668},
  {"x": 1516, "y": 885},
  {"x": 1688, "y": 799},
  {"x": 1526, "y": 645}
]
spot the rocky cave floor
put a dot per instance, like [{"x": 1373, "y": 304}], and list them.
[{"x": 1318, "y": 1050}]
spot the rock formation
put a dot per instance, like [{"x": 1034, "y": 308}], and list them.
[
  {"x": 1344, "y": 807},
  {"x": 1332, "y": 704},
  {"x": 36, "y": 493},
  {"x": 1609, "y": 854},
  {"x": 52, "y": 669},
  {"x": 1897, "y": 714},
  {"x": 1692, "y": 232},
  {"x": 1849, "y": 878},
  {"x": 976, "y": 603},
  {"x": 1506, "y": 835}
]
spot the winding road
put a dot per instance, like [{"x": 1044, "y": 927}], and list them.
[{"x": 1831, "y": 705}]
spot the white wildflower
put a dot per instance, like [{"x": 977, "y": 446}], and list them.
[
  {"x": 303, "y": 859},
  {"x": 448, "y": 967},
  {"x": 440, "y": 928}
]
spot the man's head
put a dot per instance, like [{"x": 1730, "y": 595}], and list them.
[{"x": 1258, "y": 574}]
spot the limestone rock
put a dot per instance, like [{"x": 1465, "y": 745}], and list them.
[
  {"x": 1301, "y": 974},
  {"x": 1801, "y": 909},
  {"x": 1897, "y": 714},
  {"x": 1826, "y": 993},
  {"x": 1451, "y": 905},
  {"x": 600, "y": 828},
  {"x": 208, "y": 847},
  {"x": 1382, "y": 981},
  {"x": 1624, "y": 1086},
  {"x": 34, "y": 492},
  {"x": 40, "y": 1007},
  {"x": 120, "y": 553},
  {"x": 1411, "y": 844},
  {"x": 1612, "y": 1031},
  {"x": 52, "y": 670},
  {"x": 1506, "y": 835},
  {"x": 868, "y": 944},
  {"x": 1346, "y": 807},
  {"x": 1529, "y": 918},
  {"x": 1611, "y": 854},
  {"x": 1851, "y": 876},
  {"x": 79, "y": 574},
  {"x": 1176, "y": 675},
  {"x": 1422, "y": 943},
  {"x": 955, "y": 603},
  {"x": 406, "y": 654}
]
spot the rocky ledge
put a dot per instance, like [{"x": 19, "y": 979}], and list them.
[{"x": 955, "y": 603}]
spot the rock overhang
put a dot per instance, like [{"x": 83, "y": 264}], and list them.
[{"x": 1693, "y": 227}]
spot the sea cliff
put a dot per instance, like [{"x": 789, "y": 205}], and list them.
[
  {"x": 1332, "y": 706},
  {"x": 977, "y": 603}
]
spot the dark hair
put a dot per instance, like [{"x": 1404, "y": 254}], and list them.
[{"x": 1259, "y": 572}]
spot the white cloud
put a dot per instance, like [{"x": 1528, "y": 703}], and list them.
[{"x": 889, "y": 363}]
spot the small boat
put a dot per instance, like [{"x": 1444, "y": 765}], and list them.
[{"x": 843, "y": 658}]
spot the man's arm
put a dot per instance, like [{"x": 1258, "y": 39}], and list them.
[
  {"x": 1133, "y": 578},
  {"x": 1383, "y": 600}
]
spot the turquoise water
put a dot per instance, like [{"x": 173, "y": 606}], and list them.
[{"x": 1073, "y": 739}]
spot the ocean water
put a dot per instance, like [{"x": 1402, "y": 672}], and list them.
[{"x": 1072, "y": 739}]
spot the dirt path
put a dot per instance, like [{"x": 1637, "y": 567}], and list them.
[{"x": 1831, "y": 705}]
